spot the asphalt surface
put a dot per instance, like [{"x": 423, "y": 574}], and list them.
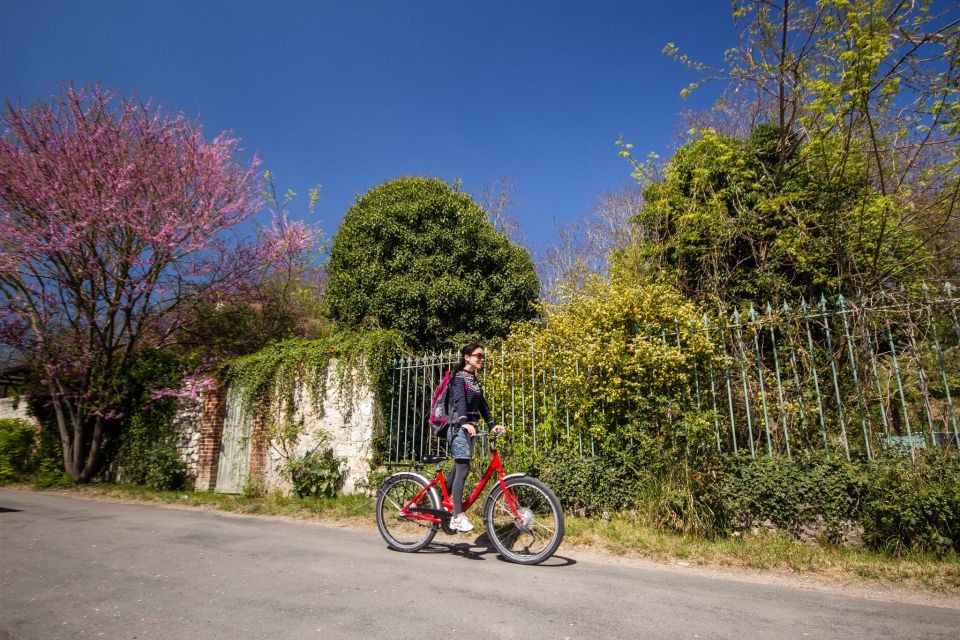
[{"x": 72, "y": 568}]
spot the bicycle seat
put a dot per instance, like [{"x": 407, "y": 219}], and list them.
[{"x": 432, "y": 459}]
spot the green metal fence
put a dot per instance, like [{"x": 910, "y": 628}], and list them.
[{"x": 841, "y": 378}]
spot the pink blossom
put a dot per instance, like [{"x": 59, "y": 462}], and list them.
[
  {"x": 115, "y": 216},
  {"x": 191, "y": 389}
]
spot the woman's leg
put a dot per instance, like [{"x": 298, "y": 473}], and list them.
[
  {"x": 460, "y": 448},
  {"x": 461, "y": 468}
]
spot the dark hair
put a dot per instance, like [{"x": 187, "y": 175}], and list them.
[{"x": 467, "y": 350}]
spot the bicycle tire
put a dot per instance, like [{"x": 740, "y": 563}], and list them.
[
  {"x": 537, "y": 536},
  {"x": 403, "y": 533}
]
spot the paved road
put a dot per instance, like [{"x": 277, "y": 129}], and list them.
[{"x": 75, "y": 568}]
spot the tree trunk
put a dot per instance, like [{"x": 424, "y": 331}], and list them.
[
  {"x": 65, "y": 429},
  {"x": 93, "y": 460},
  {"x": 81, "y": 449}
]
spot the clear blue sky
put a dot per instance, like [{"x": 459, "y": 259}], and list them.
[{"x": 349, "y": 94}]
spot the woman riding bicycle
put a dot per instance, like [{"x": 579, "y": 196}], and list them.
[
  {"x": 522, "y": 516},
  {"x": 467, "y": 406}
]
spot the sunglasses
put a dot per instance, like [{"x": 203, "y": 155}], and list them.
[{"x": 478, "y": 355}]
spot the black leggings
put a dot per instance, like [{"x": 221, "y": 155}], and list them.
[{"x": 461, "y": 467}]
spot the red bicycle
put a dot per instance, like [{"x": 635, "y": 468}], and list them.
[{"x": 522, "y": 516}]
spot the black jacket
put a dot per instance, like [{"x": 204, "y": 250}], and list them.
[{"x": 467, "y": 401}]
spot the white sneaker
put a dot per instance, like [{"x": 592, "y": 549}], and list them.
[{"x": 460, "y": 523}]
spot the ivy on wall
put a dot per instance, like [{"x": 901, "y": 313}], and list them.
[
  {"x": 271, "y": 375},
  {"x": 270, "y": 380}
]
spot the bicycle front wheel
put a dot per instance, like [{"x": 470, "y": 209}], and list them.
[
  {"x": 534, "y": 536},
  {"x": 405, "y": 533}
]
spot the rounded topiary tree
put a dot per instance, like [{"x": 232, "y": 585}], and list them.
[{"x": 421, "y": 257}]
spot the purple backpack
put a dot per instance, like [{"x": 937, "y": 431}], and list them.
[{"x": 440, "y": 407}]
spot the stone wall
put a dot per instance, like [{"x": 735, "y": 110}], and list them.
[
  {"x": 349, "y": 421},
  {"x": 189, "y": 423},
  {"x": 9, "y": 408}
]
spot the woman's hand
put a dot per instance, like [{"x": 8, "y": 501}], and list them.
[
  {"x": 471, "y": 429},
  {"x": 499, "y": 429}
]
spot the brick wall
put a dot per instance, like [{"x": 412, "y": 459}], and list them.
[{"x": 211, "y": 431}]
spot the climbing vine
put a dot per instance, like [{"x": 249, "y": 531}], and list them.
[{"x": 270, "y": 377}]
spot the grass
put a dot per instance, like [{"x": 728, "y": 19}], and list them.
[
  {"x": 353, "y": 510},
  {"x": 769, "y": 552},
  {"x": 621, "y": 535}
]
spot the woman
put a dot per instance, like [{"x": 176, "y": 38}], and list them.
[{"x": 467, "y": 406}]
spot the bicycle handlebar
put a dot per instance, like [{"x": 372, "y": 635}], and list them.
[{"x": 493, "y": 434}]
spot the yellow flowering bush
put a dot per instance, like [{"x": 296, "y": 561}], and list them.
[{"x": 610, "y": 365}]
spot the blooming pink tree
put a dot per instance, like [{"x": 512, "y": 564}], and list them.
[{"x": 114, "y": 219}]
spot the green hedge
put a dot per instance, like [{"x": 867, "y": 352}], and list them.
[
  {"x": 145, "y": 448},
  {"x": 18, "y": 447},
  {"x": 792, "y": 494},
  {"x": 892, "y": 504},
  {"x": 913, "y": 505}
]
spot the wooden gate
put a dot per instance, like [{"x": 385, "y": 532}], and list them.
[{"x": 234, "y": 467}]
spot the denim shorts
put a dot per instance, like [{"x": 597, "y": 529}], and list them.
[{"x": 459, "y": 443}]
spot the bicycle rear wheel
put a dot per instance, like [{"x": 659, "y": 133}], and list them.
[
  {"x": 537, "y": 534},
  {"x": 405, "y": 533}
]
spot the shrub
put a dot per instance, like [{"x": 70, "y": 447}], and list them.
[
  {"x": 18, "y": 444},
  {"x": 590, "y": 486},
  {"x": 620, "y": 350},
  {"x": 165, "y": 469},
  {"x": 900, "y": 503},
  {"x": 148, "y": 454},
  {"x": 144, "y": 446},
  {"x": 913, "y": 505},
  {"x": 723, "y": 223},
  {"x": 791, "y": 494},
  {"x": 51, "y": 474},
  {"x": 317, "y": 474},
  {"x": 420, "y": 257}
]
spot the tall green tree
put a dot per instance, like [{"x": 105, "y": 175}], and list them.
[
  {"x": 724, "y": 224},
  {"x": 836, "y": 164},
  {"x": 419, "y": 256}
]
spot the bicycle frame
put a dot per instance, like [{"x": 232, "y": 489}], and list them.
[{"x": 447, "y": 502}]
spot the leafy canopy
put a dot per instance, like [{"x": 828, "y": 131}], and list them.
[
  {"x": 728, "y": 222},
  {"x": 420, "y": 257},
  {"x": 862, "y": 96}
]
